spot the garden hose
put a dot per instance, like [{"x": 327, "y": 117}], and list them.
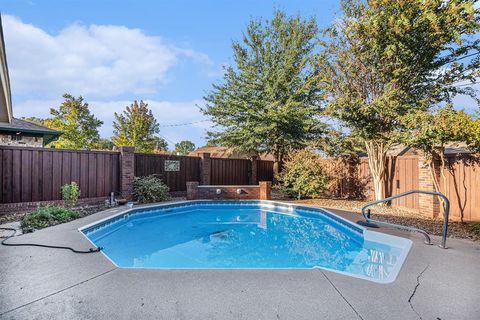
[{"x": 91, "y": 250}]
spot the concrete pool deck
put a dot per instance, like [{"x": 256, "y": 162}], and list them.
[{"x": 40, "y": 283}]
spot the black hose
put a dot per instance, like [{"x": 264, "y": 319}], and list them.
[{"x": 91, "y": 250}]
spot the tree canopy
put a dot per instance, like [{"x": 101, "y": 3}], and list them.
[
  {"x": 387, "y": 59},
  {"x": 184, "y": 147},
  {"x": 137, "y": 127},
  {"x": 270, "y": 100},
  {"x": 79, "y": 126}
]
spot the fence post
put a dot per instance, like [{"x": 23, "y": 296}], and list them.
[
  {"x": 265, "y": 190},
  {"x": 205, "y": 168},
  {"x": 428, "y": 205},
  {"x": 127, "y": 171},
  {"x": 253, "y": 177}
]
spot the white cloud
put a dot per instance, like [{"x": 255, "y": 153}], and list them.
[{"x": 94, "y": 60}]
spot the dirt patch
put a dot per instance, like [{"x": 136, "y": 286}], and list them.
[{"x": 402, "y": 216}]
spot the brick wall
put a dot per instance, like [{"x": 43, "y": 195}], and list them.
[
  {"x": 20, "y": 140},
  {"x": 127, "y": 171},
  {"x": 261, "y": 191},
  {"x": 428, "y": 205}
]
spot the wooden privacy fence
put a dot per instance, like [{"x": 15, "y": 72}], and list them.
[
  {"x": 265, "y": 170},
  {"x": 401, "y": 175},
  {"x": 229, "y": 171},
  {"x": 37, "y": 174},
  {"x": 148, "y": 164},
  {"x": 459, "y": 181},
  {"x": 219, "y": 170}
]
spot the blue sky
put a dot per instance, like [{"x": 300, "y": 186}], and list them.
[{"x": 166, "y": 52}]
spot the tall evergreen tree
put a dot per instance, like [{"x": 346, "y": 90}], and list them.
[
  {"x": 386, "y": 59},
  {"x": 270, "y": 100},
  {"x": 79, "y": 126},
  {"x": 137, "y": 127}
]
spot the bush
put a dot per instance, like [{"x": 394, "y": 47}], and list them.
[
  {"x": 70, "y": 193},
  {"x": 303, "y": 175},
  {"x": 47, "y": 216},
  {"x": 150, "y": 189}
]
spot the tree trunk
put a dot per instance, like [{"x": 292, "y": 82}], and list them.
[
  {"x": 277, "y": 163},
  {"x": 377, "y": 162}
]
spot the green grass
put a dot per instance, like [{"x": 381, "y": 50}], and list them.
[{"x": 48, "y": 216}]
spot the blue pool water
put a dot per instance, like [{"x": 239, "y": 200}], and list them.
[{"x": 244, "y": 235}]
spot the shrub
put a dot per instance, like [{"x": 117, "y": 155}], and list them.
[
  {"x": 70, "y": 193},
  {"x": 47, "y": 216},
  {"x": 150, "y": 189},
  {"x": 303, "y": 175}
]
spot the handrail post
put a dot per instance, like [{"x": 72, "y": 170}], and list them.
[{"x": 446, "y": 210}]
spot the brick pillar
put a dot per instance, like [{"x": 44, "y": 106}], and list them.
[
  {"x": 253, "y": 178},
  {"x": 205, "y": 167},
  {"x": 192, "y": 190},
  {"x": 428, "y": 205},
  {"x": 265, "y": 190},
  {"x": 127, "y": 171}
]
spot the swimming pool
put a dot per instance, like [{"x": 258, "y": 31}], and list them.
[{"x": 246, "y": 234}]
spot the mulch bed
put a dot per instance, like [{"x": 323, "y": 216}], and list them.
[
  {"x": 456, "y": 229},
  {"x": 83, "y": 211}
]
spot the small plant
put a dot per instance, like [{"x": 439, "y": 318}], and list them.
[
  {"x": 47, "y": 216},
  {"x": 150, "y": 189},
  {"x": 303, "y": 175},
  {"x": 70, "y": 194}
]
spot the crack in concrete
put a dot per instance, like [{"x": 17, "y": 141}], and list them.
[
  {"x": 415, "y": 291},
  {"x": 343, "y": 297},
  {"x": 56, "y": 292}
]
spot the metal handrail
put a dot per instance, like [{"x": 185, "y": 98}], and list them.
[{"x": 446, "y": 210}]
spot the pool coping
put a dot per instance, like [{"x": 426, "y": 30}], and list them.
[{"x": 374, "y": 236}]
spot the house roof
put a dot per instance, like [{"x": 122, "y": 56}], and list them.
[
  {"x": 450, "y": 148},
  {"x": 224, "y": 152},
  {"x": 22, "y": 126}
]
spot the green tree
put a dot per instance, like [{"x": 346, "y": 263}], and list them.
[
  {"x": 104, "y": 144},
  {"x": 270, "y": 100},
  {"x": 79, "y": 126},
  {"x": 431, "y": 130},
  {"x": 385, "y": 59},
  {"x": 35, "y": 120},
  {"x": 136, "y": 127},
  {"x": 184, "y": 147},
  {"x": 161, "y": 145},
  {"x": 303, "y": 174}
]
